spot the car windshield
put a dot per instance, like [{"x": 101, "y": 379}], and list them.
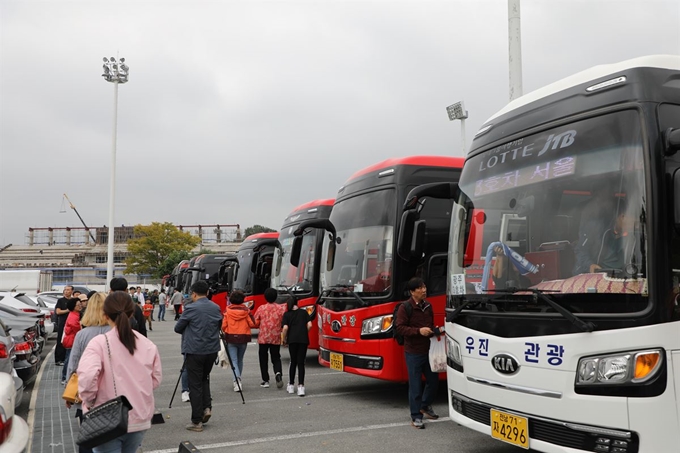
[
  {"x": 365, "y": 243},
  {"x": 296, "y": 279},
  {"x": 563, "y": 210}
]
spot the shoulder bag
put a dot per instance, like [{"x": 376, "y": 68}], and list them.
[
  {"x": 70, "y": 394},
  {"x": 107, "y": 421}
]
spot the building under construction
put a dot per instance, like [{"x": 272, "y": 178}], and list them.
[{"x": 79, "y": 255}]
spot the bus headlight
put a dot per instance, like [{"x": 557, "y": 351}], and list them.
[
  {"x": 376, "y": 325},
  {"x": 249, "y": 304},
  {"x": 625, "y": 368},
  {"x": 453, "y": 351}
]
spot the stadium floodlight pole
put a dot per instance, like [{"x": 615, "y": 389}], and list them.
[
  {"x": 114, "y": 72},
  {"x": 457, "y": 112}
]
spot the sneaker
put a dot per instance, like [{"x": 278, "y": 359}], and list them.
[
  {"x": 429, "y": 413},
  {"x": 264, "y": 384},
  {"x": 418, "y": 423},
  {"x": 63, "y": 382},
  {"x": 290, "y": 388},
  {"x": 59, "y": 364},
  {"x": 279, "y": 381},
  {"x": 301, "y": 390},
  {"x": 185, "y": 397},
  {"x": 236, "y": 386},
  {"x": 207, "y": 412},
  {"x": 198, "y": 427}
]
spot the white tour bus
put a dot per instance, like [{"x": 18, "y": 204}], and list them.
[{"x": 563, "y": 323}]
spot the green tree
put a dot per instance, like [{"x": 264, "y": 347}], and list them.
[
  {"x": 257, "y": 229},
  {"x": 153, "y": 244},
  {"x": 173, "y": 260}
]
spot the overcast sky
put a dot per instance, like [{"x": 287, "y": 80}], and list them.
[{"x": 239, "y": 111}]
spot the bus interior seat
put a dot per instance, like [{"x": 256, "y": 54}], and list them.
[{"x": 554, "y": 257}]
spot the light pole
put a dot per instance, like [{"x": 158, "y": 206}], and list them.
[
  {"x": 457, "y": 112},
  {"x": 114, "y": 72}
]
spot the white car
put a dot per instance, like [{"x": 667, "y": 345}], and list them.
[
  {"x": 17, "y": 437},
  {"x": 22, "y": 302}
]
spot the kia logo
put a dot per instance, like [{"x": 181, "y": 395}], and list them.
[
  {"x": 505, "y": 363},
  {"x": 335, "y": 326}
]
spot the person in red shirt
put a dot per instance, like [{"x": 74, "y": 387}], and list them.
[
  {"x": 268, "y": 319},
  {"x": 71, "y": 328},
  {"x": 147, "y": 309}
]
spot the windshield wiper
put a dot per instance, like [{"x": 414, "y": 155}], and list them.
[
  {"x": 348, "y": 289},
  {"x": 290, "y": 293},
  {"x": 541, "y": 294}
]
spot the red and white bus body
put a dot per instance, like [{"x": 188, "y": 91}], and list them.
[
  {"x": 368, "y": 277},
  {"x": 301, "y": 282},
  {"x": 255, "y": 257}
]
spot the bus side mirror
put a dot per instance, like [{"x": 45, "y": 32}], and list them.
[
  {"x": 676, "y": 199},
  {"x": 330, "y": 260},
  {"x": 295, "y": 251},
  {"x": 671, "y": 140},
  {"x": 418, "y": 242},
  {"x": 279, "y": 259},
  {"x": 406, "y": 230},
  {"x": 253, "y": 263}
]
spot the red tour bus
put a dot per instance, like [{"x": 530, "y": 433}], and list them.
[
  {"x": 390, "y": 222},
  {"x": 253, "y": 273},
  {"x": 207, "y": 267},
  {"x": 302, "y": 281}
]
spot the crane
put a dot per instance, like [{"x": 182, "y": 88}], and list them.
[{"x": 81, "y": 219}]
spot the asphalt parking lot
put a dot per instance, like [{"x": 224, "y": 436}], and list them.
[{"x": 341, "y": 412}]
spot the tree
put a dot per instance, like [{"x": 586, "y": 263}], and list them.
[
  {"x": 257, "y": 229},
  {"x": 173, "y": 260},
  {"x": 152, "y": 246}
]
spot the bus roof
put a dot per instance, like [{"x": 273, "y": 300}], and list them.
[
  {"x": 256, "y": 236},
  {"x": 313, "y": 204},
  {"x": 596, "y": 72},
  {"x": 423, "y": 161}
]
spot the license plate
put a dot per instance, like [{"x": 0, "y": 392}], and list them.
[
  {"x": 510, "y": 428},
  {"x": 336, "y": 361}
]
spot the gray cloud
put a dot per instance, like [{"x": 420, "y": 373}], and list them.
[{"x": 236, "y": 112}]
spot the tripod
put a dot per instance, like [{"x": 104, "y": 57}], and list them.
[
  {"x": 184, "y": 364},
  {"x": 233, "y": 369}
]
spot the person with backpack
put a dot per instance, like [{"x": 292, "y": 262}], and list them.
[{"x": 415, "y": 323}]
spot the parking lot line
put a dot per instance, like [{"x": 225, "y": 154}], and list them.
[{"x": 261, "y": 440}]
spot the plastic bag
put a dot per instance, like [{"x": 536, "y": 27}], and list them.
[{"x": 437, "y": 354}]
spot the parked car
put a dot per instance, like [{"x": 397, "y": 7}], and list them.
[
  {"x": 7, "y": 359},
  {"x": 13, "y": 429},
  {"x": 82, "y": 289},
  {"x": 24, "y": 332},
  {"x": 25, "y": 303},
  {"x": 11, "y": 315},
  {"x": 8, "y": 300},
  {"x": 33, "y": 302}
]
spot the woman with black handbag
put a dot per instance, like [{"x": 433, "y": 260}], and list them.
[{"x": 117, "y": 374}]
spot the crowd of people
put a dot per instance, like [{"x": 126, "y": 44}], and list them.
[{"x": 101, "y": 332}]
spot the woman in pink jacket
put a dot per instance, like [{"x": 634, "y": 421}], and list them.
[{"x": 121, "y": 362}]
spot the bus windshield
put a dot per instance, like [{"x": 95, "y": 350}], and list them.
[
  {"x": 296, "y": 279},
  {"x": 562, "y": 211},
  {"x": 244, "y": 276},
  {"x": 363, "y": 256}
]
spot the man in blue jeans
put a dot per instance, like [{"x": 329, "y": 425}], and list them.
[{"x": 416, "y": 325}]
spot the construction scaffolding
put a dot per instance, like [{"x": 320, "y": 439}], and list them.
[{"x": 209, "y": 234}]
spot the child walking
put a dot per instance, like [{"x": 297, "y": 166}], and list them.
[{"x": 296, "y": 325}]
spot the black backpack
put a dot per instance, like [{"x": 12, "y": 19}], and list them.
[{"x": 409, "y": 309}]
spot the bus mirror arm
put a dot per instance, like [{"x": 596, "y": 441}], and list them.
[{"x": 443, "y": 190}]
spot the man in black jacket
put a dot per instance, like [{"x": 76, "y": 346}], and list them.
[
  {"x": 62, "y": 313},
  {"x": 417, "y": 328},
  {"x": 200, "y": 326}
]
